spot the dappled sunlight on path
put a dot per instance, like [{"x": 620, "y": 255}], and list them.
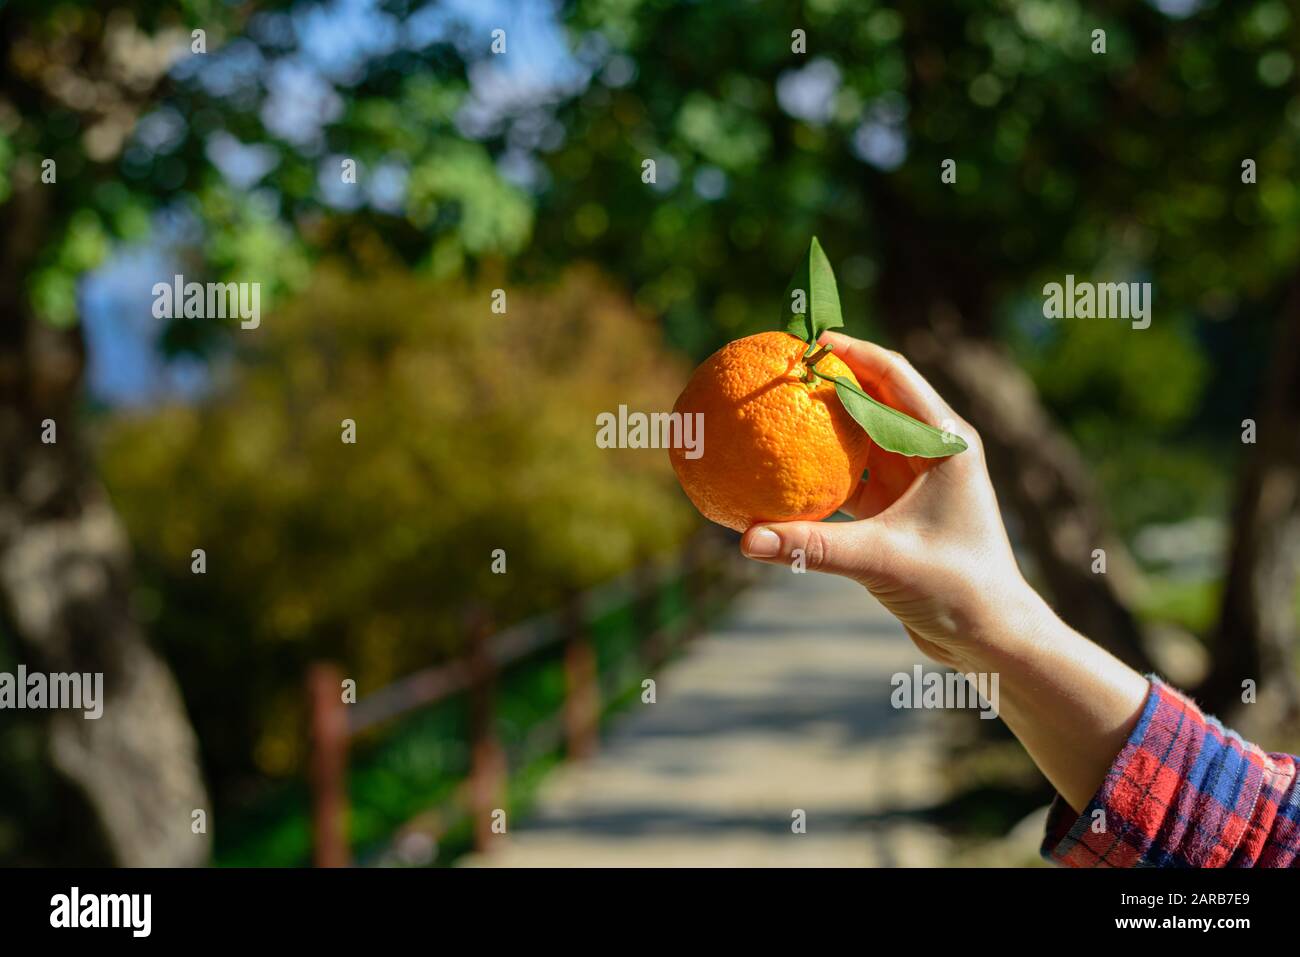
[{"x": 783, "y": 707}]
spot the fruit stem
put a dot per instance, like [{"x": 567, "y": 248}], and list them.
[{"x": 812, "y": 360}]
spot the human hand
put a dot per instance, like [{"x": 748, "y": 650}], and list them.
[{"x": 928, "y": 540}]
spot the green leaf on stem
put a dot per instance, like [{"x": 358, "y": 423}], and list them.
[
  {"x": 892, "y": 430},
  {"x": 812, "y": 302}
]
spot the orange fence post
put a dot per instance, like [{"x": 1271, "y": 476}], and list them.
[
  {"x": 328, "y": 766},
  {"x": 487, "y": 760},
  {"x": 582, "y": 693}
]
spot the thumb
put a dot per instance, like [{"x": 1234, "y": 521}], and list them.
[{"x": 853, "y": 549}]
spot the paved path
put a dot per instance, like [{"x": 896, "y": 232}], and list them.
[{"x": 784, "y": 706}]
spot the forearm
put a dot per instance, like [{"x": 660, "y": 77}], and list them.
[{"x": 1069, "y": 702}]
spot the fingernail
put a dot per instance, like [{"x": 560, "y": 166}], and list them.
[{"x": 763, "y": 543}]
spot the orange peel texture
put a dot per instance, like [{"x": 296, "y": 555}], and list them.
[{"x": 776, "y": 448}]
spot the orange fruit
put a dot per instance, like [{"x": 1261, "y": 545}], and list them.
[{"x": 776, "y": 448}]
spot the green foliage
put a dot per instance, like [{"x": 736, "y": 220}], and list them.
[
  {"x": 723, "y": 132},
  {"x": 474, "y": 432},
  {"x": 894, "y": 430},
  {"x": 1131, "y": 401},
  {"x": 1145, "y": 483},
  {"x": 399, "y": 113},
  {"x": 1189, "y": 604},
  {"x": 492, "y": 216},
  {"x": 1102, "y": 369},
  {"x": 813, "y": 287}
]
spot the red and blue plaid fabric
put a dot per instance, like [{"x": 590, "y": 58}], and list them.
[{"x": 1184, "y": 792}]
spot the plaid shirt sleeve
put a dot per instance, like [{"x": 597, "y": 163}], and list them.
[{"x": 1184, "y": 792}]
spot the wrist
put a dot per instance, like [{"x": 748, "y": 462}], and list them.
[{"x": 1010, "y": 623}]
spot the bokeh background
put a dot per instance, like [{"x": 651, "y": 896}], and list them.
[{"x": 1175, "y": 449}]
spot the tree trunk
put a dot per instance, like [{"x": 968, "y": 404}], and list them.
[
  {"x": 1255, "y": 637},
  {"x": 65, "y": 588}
]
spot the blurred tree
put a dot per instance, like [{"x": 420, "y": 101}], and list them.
[
  {"x": 1227, "y": 244},
  {"x": 147, "y": 123},
  {"x": 1255, "y": 635},
  {"x": 474, "y": 431},
  {"x": 74, "y": 79}
]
